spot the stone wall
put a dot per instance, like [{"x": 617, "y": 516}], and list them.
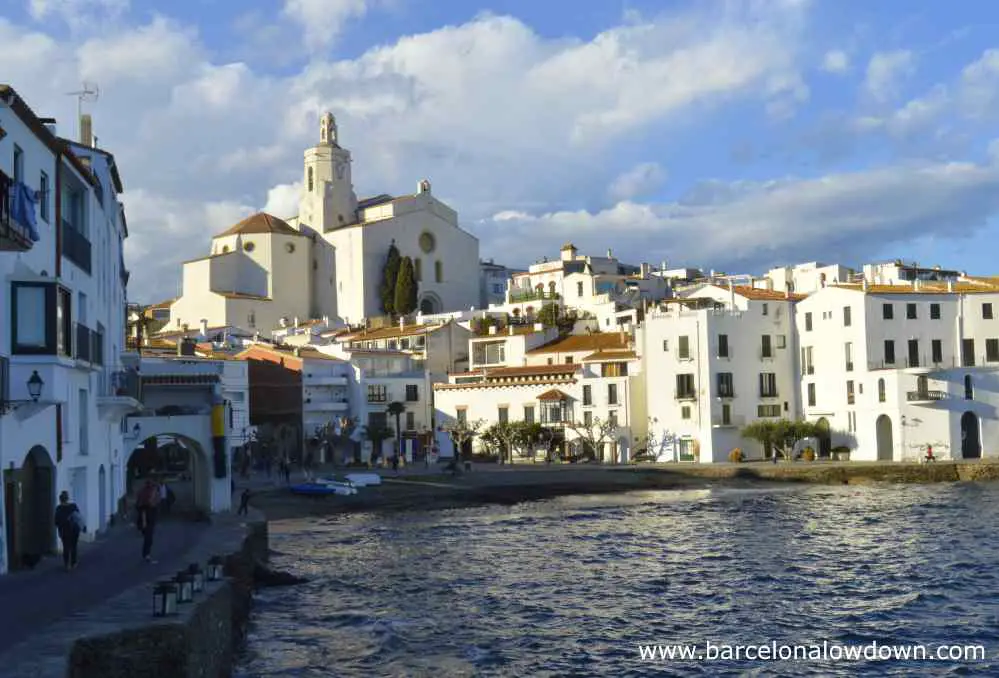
[{"x": 202, "y": 640}]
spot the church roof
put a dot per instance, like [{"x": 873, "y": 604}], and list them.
[{"x": 261, "y": 222}]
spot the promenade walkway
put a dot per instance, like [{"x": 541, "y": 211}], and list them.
[{"x": 32, "y": 600}]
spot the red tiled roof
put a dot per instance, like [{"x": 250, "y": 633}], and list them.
[
  {"x": 553, "y": 395},
  {"x": 606, "y": 356},
  {"x": 575, "y": 343},
  {"x": 261, "y": 222}
]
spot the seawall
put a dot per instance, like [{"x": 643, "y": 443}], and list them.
[{"x": 121, "y": 639}]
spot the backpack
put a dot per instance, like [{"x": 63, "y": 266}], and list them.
[{"x": 76, "y": 520}]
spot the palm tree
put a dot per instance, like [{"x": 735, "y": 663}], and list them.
[
  {"x": 377, "y": 433},
  {"x": 396, "y": 409}
]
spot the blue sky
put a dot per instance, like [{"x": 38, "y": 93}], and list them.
[{"x": 731, "y": 135}]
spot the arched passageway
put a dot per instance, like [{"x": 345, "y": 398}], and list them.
[
  {"x": 886, "y": 443},
  {"x": 177, "y": 461},
  {"x": 971, "y": 440},
  {"x": 824, "y": 438},
  {"x": 29, "y": 508}
]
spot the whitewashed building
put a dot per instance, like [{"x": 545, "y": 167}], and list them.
[
  {"x": 895, "y": 369},
  {"x": 713, "y": 363},
  {"x": 440, "y": 348},
  {"x": 63, "y": 289}
]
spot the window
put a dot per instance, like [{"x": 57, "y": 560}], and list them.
[
  {"x": 969, "y": 388},
  {"x": 377, "y": 393},
  {"x": 850, "y": 397},
  {"x": 528, "y": 414},
  {"x": 311, "y": 182},
  {"x": 937, "y": 348},
  {"x": 612, "y": 418},
  {"x": 987, "y": 311},
  {"x": 579, "y": 289},
  {"x": 412, "y": 393},
  {"x": 418, "y": 269},
  {"x": 18, "y": 164},
  {"x": 766, "y": 349},
  {"x": 84, "y": 415},
  {"x": 568, "y": 360},
  {"x": 765, "y": 309},
  {"x": 910, "y": 311},
  {"x": 489, "y": 353},
  {"x": 913, "y": 349},
  {"x": 685, "y": 385},
  {"x": 614, "y": 369},
  {"x": 811, "y": 395},
  {"x": 439, "y": 271},
  {"x": 612, "y": 394},
  {"x": 685, "y": 412},
  {"x": 847, "y": 317},
  {"x": 768, "y": 385},
  {"x": 462, "y": 416},
  {"x": 808, "y": 322},
  {"x": 248, "y": 246},
  {"x": 781, "y": 341},
  {"x": 889, "y": 352},
  {"x": 289, "y": 247},
  {"x": 42, "y": 319},
  {"x": 881, "y": 390},
  {"x": 968, "y": 352},
  {"x": 992, "y": 350},
  {"x": 726, "y": 416},
  {"x": 410, "y": 421},
  {"x": 427, "y": 242},
  {"x": 665, "y": 344},
  {"x": 934, "y": 311},
  {"x": 503, "y": 414},
  {"x": 722, "y": 345},
  {"x": 807, "y": 366},
  {"x": 887, "y": 311},
  {"x": 726, "y": 387},
  {"x": 588, "y": 419},
  {"x": 587, "y": 395},
  {"x": 768, "y": 410},
  {"x": 683, "y": 348},
  {"x": 43, "y": 188}
]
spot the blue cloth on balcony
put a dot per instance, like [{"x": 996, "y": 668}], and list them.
[{"x": 22, "y": 209}]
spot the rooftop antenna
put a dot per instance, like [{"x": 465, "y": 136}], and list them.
[{"x": 89, "y": 93}]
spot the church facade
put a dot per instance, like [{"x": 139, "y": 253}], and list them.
[{"x": 327, "y": 261}]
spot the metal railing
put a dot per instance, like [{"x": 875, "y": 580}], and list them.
[
  {"x": 921, "y": 396},
  {"x": 88, "y": 345},
  {"x": 685, "y": 395},
  {"x": 533, "y": 295},
  {"x": 76, "y": 247},
  {"x": 126, "y": 383}
]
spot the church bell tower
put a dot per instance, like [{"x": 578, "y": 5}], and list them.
[{"x": 328, "y": 200}]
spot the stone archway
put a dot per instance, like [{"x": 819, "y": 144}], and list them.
[
  {"x": 824, "y": 438},
  {"x": 886, "y": 443},
  {"x": 430, "y": 304},
  {"x": 971, "y": 439},
  {"x": 29, "y": 508},
  {"x": 178, "y": 461}
]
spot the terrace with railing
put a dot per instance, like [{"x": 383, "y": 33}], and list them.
[
  {"x": 76, "y": 247},
  {"x": 88, "y": 345}
]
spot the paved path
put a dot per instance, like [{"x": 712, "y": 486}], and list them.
[{"x": 32, "y": 600}]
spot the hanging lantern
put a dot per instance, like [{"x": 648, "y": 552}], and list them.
[
  {"x": 216, "y": 568},
  {"x": 185, "y": 587},
  {"x": 197, "y": 577},
  {"x": 164, "y": 599}
]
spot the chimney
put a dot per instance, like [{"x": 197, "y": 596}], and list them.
[
  {"x": 950, "y": 285},
  {"x": 50, "y": 125},
  {"x": 510, "y": 328},
  {"x": 610, "y": 254},
  {"x": 787, "y": 291},
  {"x": 731, "y": 293},
  {"x": 204, "y": 327},
  {"x": 865, "y": 284},
  {"x": 86, "y": 130},
  {"x": 296, "y": 322},
  {"x": 326, "y": 320},
  {"x": 185, "y": 347},
  {"x": 402, "y": 322},
  {"x": 646, "y": 270},
  {"x": 662, "y": 266},
  {"x": 917, "y": 284}
]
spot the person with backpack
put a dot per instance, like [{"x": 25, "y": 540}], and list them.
[
  {"x": 69, "y": 523},
  {"x": 146, "y": 505}
]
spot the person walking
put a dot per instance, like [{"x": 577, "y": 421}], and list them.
[
  {"x": 69, "y": 523},
  {"x": 244, "y": 502},
  {"x": 147, "y": 504}
]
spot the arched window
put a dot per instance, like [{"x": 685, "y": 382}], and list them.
[
  {"x": 551, "y": 288},
  {"x": 418, "y": 268},
  {"x": 969, "y": 388},
  {"x": 881, "y": 390},
  {"x": 438, "y": 271},
  {"x": 311, "y": 183}
]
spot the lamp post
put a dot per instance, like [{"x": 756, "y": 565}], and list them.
[
  {"x": 185, "y": 587},
  {"x": 216, "y": 567},
  {"x": 34, "y": 384},
  {"x": 164, "y": 599},
  {"x": 197, "y": 578}
]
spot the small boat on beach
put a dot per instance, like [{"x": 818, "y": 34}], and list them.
[
  {"x": 363, "y": 479},
  {"x": 323, "y": 488}
]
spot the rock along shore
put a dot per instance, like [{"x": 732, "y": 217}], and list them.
[{"x": 527, "y": 482}]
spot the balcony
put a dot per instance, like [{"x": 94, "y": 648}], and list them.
[
  {"x": 925, "y": 397},
  {"x": 532, "y": 295},
  {"x": 733, "y": 421},
  {"x": 769, "y": 394},
  {"x": 88, "y": 345},
  {"x": 685, "y": 395},
  {"x": 324, "y": 380},
  {"x": 124, "y": 396},
  {"x": 914, "y": 364},
  {"x": 75, "y": 246},
  {"x": 726, "y": 394},
  {"x": 14, "y": 236},
  {"x": 340, "y": 405},
  {"x": 766, "y": 355}
]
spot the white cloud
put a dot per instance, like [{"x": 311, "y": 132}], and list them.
[
  {"x": 77, "y": 13},
  {"x": 282, "y": 200},
  {"x": 994, "y": 151},
  {"x": 637, "y": 182},
  {"x": 322, "y": 21},
  {"x": 762, "y": 223},
  {"x": 885, "y": 71},
  {"x": 835, "y": 61}
]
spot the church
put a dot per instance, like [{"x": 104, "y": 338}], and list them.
[{"x": 327, "y": 261}]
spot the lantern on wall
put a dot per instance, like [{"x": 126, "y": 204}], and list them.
[
  {"x": 197, "y": 577},
  {"x": 185, "y": 587},
  {"x": 216, "y": 568},
  {"x": 164, "y": 599}
]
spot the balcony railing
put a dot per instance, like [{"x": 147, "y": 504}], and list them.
[
  {"x": 533, "y": 295},
  {"x": 88, "y": 345},
  {"x": 726, "y": 393},
  {"x": 126, "y": 383},
  {"x": 13, "y": 234},
  {"x": 685, "y": 395},
  {"x": 916, "y": 362},
  {"x": 75, "y": 246},
  {"x": 925, "y": 396},
  {"x": 736, "y": 420}
]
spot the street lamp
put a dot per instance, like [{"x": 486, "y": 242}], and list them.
[{"x": 35, "y": 384}]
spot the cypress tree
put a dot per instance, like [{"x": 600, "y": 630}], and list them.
[
  {"x": 390, "y": 276},
  {"x": 406, "y": 288}
]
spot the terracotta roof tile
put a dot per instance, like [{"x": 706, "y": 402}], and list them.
[
  {"x": 530, "y": 370},
  {"x": 553, "y": 395},
  {"x": 261, "y": 222},
  {"x": 606, "y": 356},
  {"x": 583, "y": 342},
  {"x": 927, "y": 288},
  {"x": 389, "y": 332},
  {"x": 756, "y": 294}
]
